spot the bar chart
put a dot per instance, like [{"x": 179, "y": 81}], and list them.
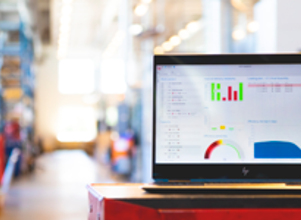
[{"x": 221, "y": 92}]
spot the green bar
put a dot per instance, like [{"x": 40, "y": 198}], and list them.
[
  {"x": 240, "y": 91},
  {"x": 218, "y": 86},
  {"x": 231, "y": 129},
  {"x": 214, "y": 129},
  {"x": 212, "y": 91},
  {"x": 218, "y": 94}
]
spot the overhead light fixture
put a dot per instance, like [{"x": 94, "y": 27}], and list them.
[
  {"x": 239, "y": 5},
  {"x": 158, "y": 50},
  {"x": 65, "y": 21},
  {"x": 136, "y": 29},
  {"x": 253, "y": 26},
  {"x": 167, "y": 46},
  {"x": 238, "y": 34},
  {"x": 184, "y": 34},
  {"x": 140, "y": 10},
  {"x": 193, "y": 26},
  {"x": 175, "y": 40}
]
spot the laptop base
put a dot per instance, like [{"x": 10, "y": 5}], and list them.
[{"x": 217, "y": 188}]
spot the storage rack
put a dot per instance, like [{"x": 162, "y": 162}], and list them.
[{"x": 17, "y": 83}]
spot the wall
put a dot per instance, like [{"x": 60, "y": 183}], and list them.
[
  {"x": 289, "y": 25},
  {"x": 46, "y": 100},
  {"x": 49, "y": 100},
  {"x": 279, "y": 25}
]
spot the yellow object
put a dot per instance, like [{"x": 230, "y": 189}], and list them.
[
  {"x": 223, "y": 127},
  {"x": 12, "y": 93}
]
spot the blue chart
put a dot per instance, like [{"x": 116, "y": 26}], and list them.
[{"x": 276, "y": 150}]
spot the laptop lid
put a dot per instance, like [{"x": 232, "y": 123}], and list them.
[{"x": 227, "y": 117}]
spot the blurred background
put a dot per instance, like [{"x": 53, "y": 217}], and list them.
[{"x": 76, "y": 86}]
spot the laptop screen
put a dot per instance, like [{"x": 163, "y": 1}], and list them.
[{"x": 228, "y": 114}]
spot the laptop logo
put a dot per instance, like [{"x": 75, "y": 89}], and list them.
[{"x": 245, "y": 171}]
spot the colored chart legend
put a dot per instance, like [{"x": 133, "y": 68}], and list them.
[{"x": 232, "y": 95}]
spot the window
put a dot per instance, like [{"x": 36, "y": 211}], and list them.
[
  {"x": 76, "y": 124},
  {"x": 76, "y": 76},
  {"x": 113, "y": 77}
]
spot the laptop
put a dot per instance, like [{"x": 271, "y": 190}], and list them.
[{"x": 226, "y": 122}]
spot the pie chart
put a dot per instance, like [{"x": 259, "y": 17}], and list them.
[{"x": 223, "y": 150}]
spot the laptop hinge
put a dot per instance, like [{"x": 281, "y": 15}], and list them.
[{"x": 177, "y": 181}]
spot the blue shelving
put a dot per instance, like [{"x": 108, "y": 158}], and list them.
[{"x": 19, "y": 78}]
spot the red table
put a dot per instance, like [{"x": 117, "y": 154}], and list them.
[{"x": 128, "y": 201}]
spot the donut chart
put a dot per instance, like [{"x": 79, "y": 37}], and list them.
[{"x": 223, "y": 149}]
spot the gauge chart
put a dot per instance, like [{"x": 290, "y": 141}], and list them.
[{"x": 223, "y": 150}]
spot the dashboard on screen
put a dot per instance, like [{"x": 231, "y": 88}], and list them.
[{"x": 228, "y": 114}]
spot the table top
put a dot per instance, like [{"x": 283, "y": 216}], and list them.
[{"x": 133, "y": 193}]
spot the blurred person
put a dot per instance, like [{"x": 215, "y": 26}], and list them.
[{"x": 122, "y": 152}]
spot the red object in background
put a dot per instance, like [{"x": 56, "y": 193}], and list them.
[
  {"x": 121, "y": 201},
  {"x": 224, "y": 99},
  {"x": 2, "y": 155},
  {"x": 12, "y": 130}
]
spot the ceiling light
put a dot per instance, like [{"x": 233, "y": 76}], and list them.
[
  {"x": 167, "y": 46},
  {"x": 175, "y": 40},
  {"x": 253, "y": 26},
  {"x": 136, "y": 29},
  {"x": 238, "y": 34},
  {"x": 158, "y": 50},
  {"x": 141, "y": 9},
  {"x": 184, "y": 34},
  {"x": 193, "y": 26},
  {"x": 240, "y": 5}
]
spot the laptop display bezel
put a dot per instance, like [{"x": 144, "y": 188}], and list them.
[{"x": 222, "y": 172}]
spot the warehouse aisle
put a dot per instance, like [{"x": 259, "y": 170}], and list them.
[{"x": 56, "y": 190}]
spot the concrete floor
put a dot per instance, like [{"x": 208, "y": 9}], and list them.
[{"x": 56, "y": 189}]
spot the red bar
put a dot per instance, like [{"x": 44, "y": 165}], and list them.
[
  {"x": 229, "y": 93},
  {"x": 224, "y": 99},
  {"x": 235, "y": 95}
]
